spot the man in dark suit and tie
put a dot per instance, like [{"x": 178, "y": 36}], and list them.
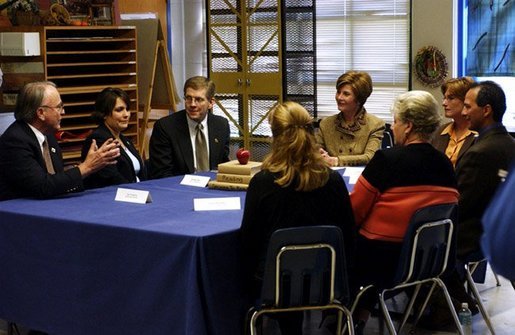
[
  {"x": 31, "y": 163},
  {"x": 193, "y": 139}
]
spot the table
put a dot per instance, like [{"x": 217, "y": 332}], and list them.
[{"x": 86, "y": 264}]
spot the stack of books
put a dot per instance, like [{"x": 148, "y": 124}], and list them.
[{"x": 234, "y": 176}]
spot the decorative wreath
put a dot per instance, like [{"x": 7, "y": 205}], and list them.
[{"x": 431, "y": 66}]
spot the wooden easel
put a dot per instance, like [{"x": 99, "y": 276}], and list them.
[
  {"x": 160, "y": 54},
  {"x": 153, "y": 70}
]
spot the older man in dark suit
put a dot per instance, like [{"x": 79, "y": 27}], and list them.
[
  {"x": 31, "y": 163},
  {"x": 174, "y": 144}
]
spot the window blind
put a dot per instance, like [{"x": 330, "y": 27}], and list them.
[{"x": 366, "y": 35}]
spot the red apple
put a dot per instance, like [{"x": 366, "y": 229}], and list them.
[{"x": 243, "y": 156}]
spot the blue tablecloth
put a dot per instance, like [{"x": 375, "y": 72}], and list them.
[{"x": 86, "y": 264}]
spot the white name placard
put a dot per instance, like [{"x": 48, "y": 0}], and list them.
[
  {"x": 353, "y": 172},
  {"x": 195, "y": 180},
  {"x": 216, "y": 204},
  {"x": 134, "y": 196}
]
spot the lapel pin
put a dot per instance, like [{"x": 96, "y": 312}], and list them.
[
  {"x": 53, "y": 150},
  {"x": 216, "y": 140}
]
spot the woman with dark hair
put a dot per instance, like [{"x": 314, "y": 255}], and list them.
[
  {"x": 113, "y": 115},
  {"x": 294, "y": 188}
]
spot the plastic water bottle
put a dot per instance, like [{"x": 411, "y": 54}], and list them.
[{"x": 465, "y": 317}]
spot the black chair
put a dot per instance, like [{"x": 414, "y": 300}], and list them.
[
  {"x": 387, "y": 141},
  {"x": 304, "y": 270},
  {"x": 428, "y": 250}
]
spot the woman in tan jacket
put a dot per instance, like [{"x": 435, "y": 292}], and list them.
[{"x": 352, "y": 136}]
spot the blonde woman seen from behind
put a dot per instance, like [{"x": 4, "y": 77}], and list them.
[{"x": 294, "y": 188}]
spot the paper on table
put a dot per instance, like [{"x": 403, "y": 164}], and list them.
[
  {"x": 216, "y": 204},
  {"x": 195, "y": 180},
  {"x": 134, "y": 196},
  {"x": 353, "y": 172}
]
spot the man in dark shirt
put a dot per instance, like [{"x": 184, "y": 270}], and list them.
[
  {"x": 499, "y": 229},
  {"x": 482, "y": 168}
]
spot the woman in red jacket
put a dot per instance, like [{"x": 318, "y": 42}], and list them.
[{"x": 394, "y": 184}]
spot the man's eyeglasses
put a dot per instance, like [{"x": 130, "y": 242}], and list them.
[
  {"x": 190, "y": 99},
  {"x": 59, "y": 107}
]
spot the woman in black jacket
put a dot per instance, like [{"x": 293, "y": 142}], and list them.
[{"x": 113, "y": 115}]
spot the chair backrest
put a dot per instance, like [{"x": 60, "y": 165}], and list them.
[
  {"x": 305, "y": 266},
  {"x": 387, "y": 141},
  {"x": 429, "y": 246}
]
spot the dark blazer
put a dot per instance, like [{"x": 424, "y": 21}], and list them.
[
  {"x": 171, "y": 152},
  {"x": 22, "y": 167},
  {"x": 440, "y": 142},
  {"x": 478, "y": 177},
  {"x": 121, "y": 173}
]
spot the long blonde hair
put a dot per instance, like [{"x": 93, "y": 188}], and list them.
[{"x": 295, "y": 156}]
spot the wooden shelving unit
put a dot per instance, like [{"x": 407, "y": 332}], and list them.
[{"x": 82, "y": 61}]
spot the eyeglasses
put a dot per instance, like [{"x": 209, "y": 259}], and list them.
[
  {"x": 59, "y": 107},
  {"x": 190, "y": 99}
]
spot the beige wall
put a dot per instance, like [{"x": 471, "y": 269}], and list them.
[{"x": 433, "y": 25}]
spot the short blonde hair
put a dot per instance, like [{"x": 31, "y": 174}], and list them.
[
  {"x": 199, "y": 83},
  {"x": 295, "y": 156},
  {"x": 421, "y": 109}
]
